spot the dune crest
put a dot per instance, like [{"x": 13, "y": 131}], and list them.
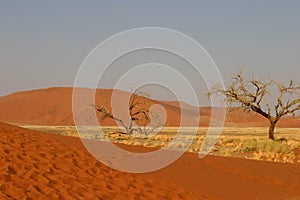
[{"x": 53, "y": 106}]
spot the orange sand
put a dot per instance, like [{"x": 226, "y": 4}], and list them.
[
  {"x": 53, "y": 106},
  {"x": 37, "y": 165}
]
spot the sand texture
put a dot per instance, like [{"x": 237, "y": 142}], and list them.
[{"x": 36, "y": 165}]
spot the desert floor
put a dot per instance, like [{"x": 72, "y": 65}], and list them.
[{"x": 240, "y": 142}]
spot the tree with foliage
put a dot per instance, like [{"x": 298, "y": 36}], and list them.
[{"x": 250, "y": 95}]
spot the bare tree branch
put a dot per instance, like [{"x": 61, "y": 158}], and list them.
[
  {"x": 138, "y": 112},
  {"x": 250, "y": 94}
]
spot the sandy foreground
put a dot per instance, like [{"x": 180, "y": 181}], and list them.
[
  {"x": 36, "y": 165},
  {"x": 46, "y": 166}
]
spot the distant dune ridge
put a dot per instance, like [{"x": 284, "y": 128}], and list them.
[{"x": 53, "y": 106}]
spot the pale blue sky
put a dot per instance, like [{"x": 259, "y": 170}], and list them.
[{"x": 43, "y": 43}]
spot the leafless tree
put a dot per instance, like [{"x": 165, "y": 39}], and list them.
[
  {"x": 150, "y": 126},
  {"x": 250, "y": 95},
  {"x": 139, "y": 115}
]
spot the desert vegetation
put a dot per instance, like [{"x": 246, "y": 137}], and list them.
[
  {"x": 249, "y": 143},
  {"x": 251, "y": 95},
  {"x": 139, "y": 119}
]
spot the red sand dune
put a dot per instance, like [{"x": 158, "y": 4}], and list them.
[
  {"x": 35, "y": 165},
  {"x": 53, "y": 106}
]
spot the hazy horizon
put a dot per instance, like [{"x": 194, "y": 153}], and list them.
[{"x": 44, "y": 44}]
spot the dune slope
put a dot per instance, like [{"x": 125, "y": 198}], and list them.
[
  {"x": 53, "y": 106},
  {"x": 36, "y": 165}
]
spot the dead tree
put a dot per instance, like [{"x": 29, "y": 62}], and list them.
[
  {"x": 250, "y": 95},
  {"x": 139, "y": 115},
  {"x": 151, "y": 125}
]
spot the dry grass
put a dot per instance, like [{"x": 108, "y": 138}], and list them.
[
  {"x": 250, "y": 143},
  {"x": 258, "y": 148}
]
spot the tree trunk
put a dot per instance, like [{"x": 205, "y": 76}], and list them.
[
  {"x": 126, "y": 130},
  {"x": 129, "y": 131},
  {"x": 271, "y": 130}
]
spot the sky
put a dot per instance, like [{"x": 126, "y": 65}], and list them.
[{"x": 43, "y": 43}]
